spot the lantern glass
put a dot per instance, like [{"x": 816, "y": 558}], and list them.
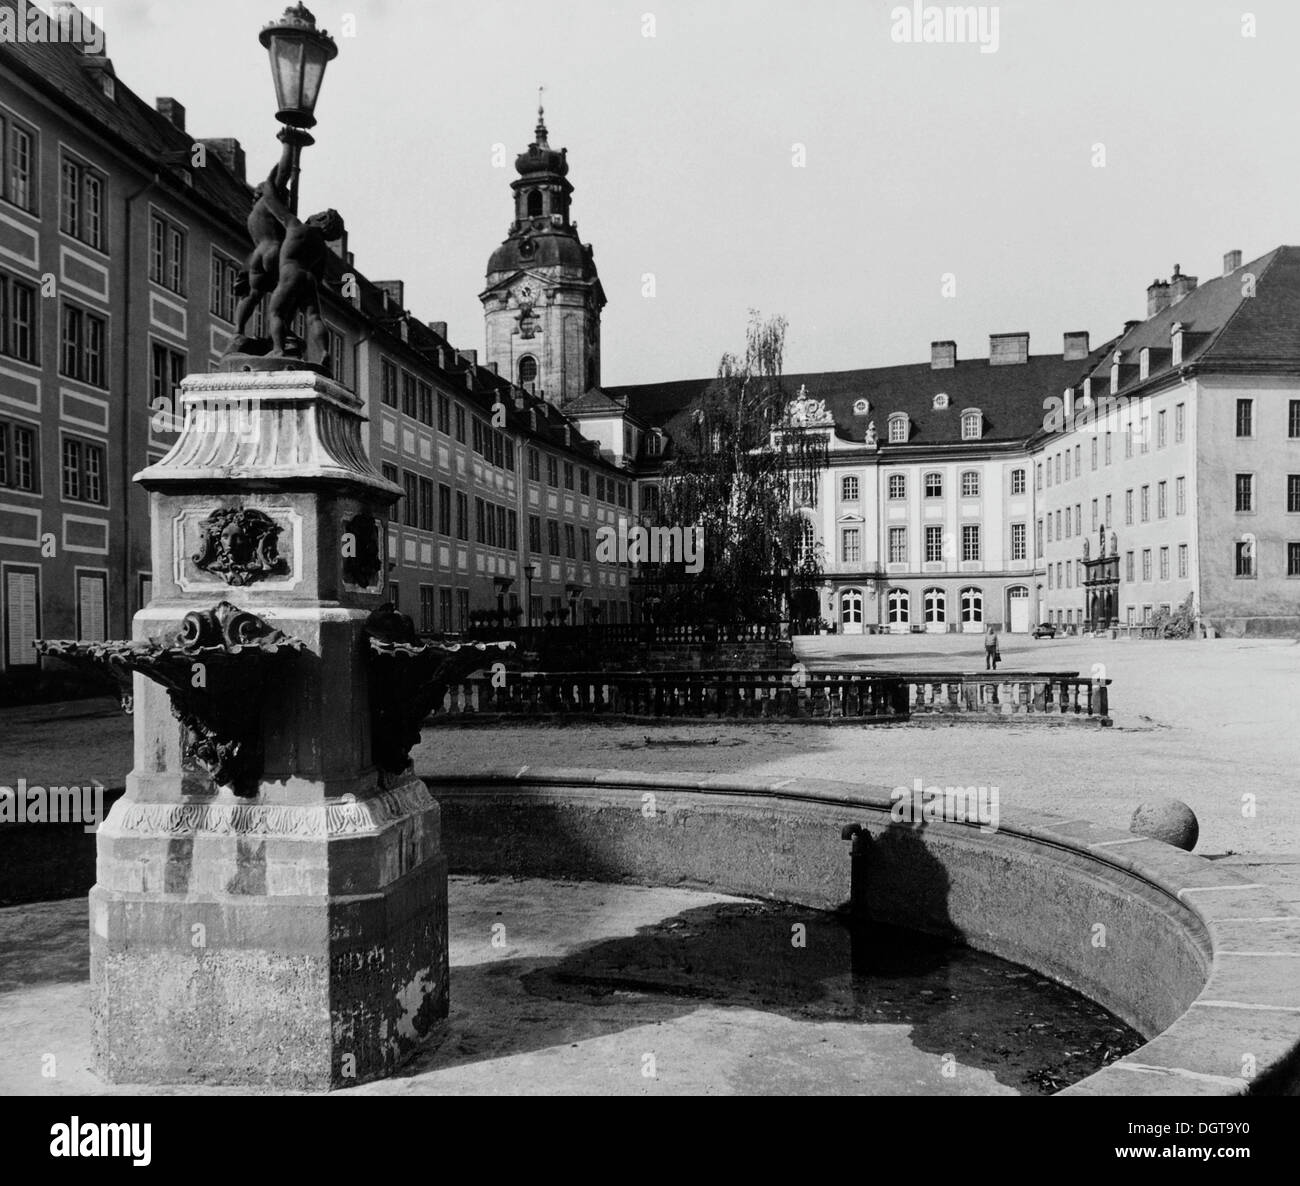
[{"x": 299, "y": 56}]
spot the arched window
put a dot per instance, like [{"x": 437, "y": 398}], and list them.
[
  {"x": 934, "y": 485},
  {"x": 527, "y": 370},
  {"x": 936, "y": 607},
  {"x": 534, "y": 203},
  {"x": 972, "y": 606},
  {"x": 900, "y": 607},
  {"x": 972, "y": 425},
  {"x": 897, "y": 486},
  {"x": 849, "y": 489},
  {"x": 898, "y": 428},
  {"x": 970, "y": 484},
  {"x": 1017, "y": 481}
]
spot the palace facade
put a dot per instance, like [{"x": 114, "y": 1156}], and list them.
[{"x": 1088, "y": 487}]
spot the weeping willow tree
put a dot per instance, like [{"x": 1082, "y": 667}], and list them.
[{"x": 739, "y": 471}]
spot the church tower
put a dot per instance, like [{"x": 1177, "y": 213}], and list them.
[{"x": 543, "y": 298}]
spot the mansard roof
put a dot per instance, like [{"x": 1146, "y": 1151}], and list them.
[{"x": 1010, "y": 398}]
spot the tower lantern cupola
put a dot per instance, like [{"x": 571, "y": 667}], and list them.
[{"x": 543, "y": 298}]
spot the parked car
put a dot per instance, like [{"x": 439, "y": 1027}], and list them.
[{"x": 1044, "y": 630}]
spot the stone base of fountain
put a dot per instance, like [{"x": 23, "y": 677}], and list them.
[{"x": 299, "y": 946}]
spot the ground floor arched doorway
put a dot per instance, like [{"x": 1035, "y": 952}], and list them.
[
  {"x": 851, "y": 611},
  {"x": 1018, "y": 609}
]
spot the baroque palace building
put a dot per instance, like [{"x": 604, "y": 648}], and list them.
[{"x": 1088, "y": 487}]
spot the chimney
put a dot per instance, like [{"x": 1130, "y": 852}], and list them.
[
  {"x": 229, "y": 152},
  {"x": 439, "y": 328},
  {"x": 172, "y": 111},
  {"x": 1180, "y": 285},
  {"x": 1231, "y": 262},
  {"x": 943, "y": 356},
  {"x": 1008, "y": 349},
  {"x": 1076, "y": 346},
  {"x": 469, "y": 356},
  {"x": 1159, "y": 297},
  {"x": 493, "y": 367}
]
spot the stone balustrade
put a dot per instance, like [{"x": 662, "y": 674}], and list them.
[{"x": 824, "y": 696}]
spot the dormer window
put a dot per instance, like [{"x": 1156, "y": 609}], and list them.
[
  {"x": 972, "y": 424},
  {"x": 654, "y": 444},
  {"x": 861, "y": 407},
  {"x": 941, "y": 402},
  {"x": 898, "y": 428},
  {"x": 1176, "y": 341}
]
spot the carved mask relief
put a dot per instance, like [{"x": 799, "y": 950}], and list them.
[{"x": 238, "y": 545}]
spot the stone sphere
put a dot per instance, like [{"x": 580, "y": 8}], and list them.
[{"x": 1168, "y": 820}]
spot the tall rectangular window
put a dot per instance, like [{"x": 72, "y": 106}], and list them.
[
  {"x": 552, "y": 470},
  {"x": 1293, "y": 420},
  {"x": 570, "y": 542},
  {"x": 1293, "y": 559},
  {"x": 83, "y": 471},
  {"x": 1293, "y": 493},
  {"x": 462, "y": 515},
  {"x": 388, "y": 383},
  {"x": 1180, "y": 496},
  {"x": 410, "y": 406},
  {"x": 410, "y": 500},
  {"x": 166, "y": 372},
  {"x": 1245, "y": 487},
  {"x": 22, "y": 616},
  {"x": 1018, "y": 545},
  {"x": 81, "y": 349},
  {"x": 1128, "y": 567},
  {"x": 426, "y": 504},
  {"x": 1162, "y": 429},
  {"x": 460, "y": 431},
  {"x": 444, "y": 509},
  {"x": 552, "y": 537},
  {"x": 970, "y": 542},
  {"x": 22, "y": 169},
  {"x": 1146, "y": 564},
  {"x": 933, "y": 544},
  {"x": 1244, "y": 558},
  {"x": 898, "y": 545},
  {"x": 1245, "y": 417},
  {"x": 535, "y": 534},
  {"x": 444, "y": 413},
  {"x": 1182, "y": 561},
  {"x": 19, "y": 468},
  {"x": 18, "y": 336},
  {"x": 1164, "y": 564},
  {"x": 851, "y": 545},
  {"x": 1162, "y": 500},
  {"x": 166, "y": 254},
  {"x": 1180, "y": 423},
  {"x": 92, "y": 607}
]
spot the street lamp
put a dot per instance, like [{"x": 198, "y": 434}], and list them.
[
  {"x": 299, "y": 53},
  {"x": 530, "y": 572}
]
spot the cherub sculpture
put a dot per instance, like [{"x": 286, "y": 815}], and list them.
[{"x": 287, "y": 263}]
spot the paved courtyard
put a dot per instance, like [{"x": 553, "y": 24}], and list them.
[{"x": 1211, "y": 723}]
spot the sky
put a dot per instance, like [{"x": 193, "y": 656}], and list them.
[{"x": 801, "y": 159}]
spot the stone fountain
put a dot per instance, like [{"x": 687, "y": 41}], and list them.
[{"x": 270, "y": 903}]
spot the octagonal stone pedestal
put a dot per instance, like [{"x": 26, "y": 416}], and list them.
[{"x": 269, "y": 908}]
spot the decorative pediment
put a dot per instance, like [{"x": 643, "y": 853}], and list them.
[{"x": 805, "y": 412}]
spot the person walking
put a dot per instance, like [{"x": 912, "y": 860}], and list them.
[{"x": 991, "y": 652}]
